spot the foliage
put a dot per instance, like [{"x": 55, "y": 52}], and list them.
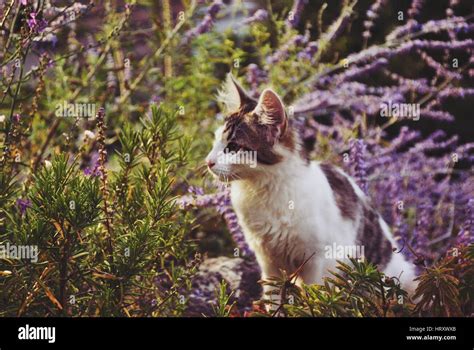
[
  {"x": 358, "y": 289},
  {"x": 93, "y": 260},
  {"x": 223, "y": 309}
]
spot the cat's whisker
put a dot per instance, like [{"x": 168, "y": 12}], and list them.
[
  {"x": 203, "y": 172},
  {"x": 201, "y": 169}
]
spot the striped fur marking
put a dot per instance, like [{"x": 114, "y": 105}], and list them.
[
  {"x": 346, "y": 198},
  {"x": 377, "y": 248}
]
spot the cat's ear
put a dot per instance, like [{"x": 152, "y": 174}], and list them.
[
  {"x": 232, "y": 95},
  {"x": 271, "y": 111}
]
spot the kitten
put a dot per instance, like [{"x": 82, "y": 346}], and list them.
[{"x": 289, "y": 208}]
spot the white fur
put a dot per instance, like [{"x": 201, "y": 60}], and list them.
[{"x": 229, "y": 95}]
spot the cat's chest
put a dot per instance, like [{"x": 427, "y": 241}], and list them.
[
  {"x": 300, "y": 207},
  {"x": 282, "y": 210}
]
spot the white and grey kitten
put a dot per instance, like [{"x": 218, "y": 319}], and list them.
[{"x": 289, "y": 208}]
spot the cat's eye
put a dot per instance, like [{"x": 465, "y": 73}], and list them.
[{"x": 232, "y": 147}]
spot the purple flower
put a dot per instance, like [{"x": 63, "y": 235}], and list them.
[
  {"x": 282, "y": 53},
  {"x": 423, "y": 225},
  {"x": 259, "y": 16},
  {"x": 23, "y": 205},
  {"x": 48, "y": 38},
  {"x": 111, "y": 76},
  {"x": 455, "y": 92},
  {"x": 224, "y": 207},
  {"x": 372, "y": 14},
  {"x": 295, "y": 13},
  {"x": 207, "y": 22},
  {"x": 255, "y": 77},
  {"x": 94, "y": 167},
  {"x": 415, "y": 8},
  {"x": 411, "y": 27},
  {"x": 358, "y": 150},
  {"x": 466, "y": 234},
  {"x": 440, "y": 70},
  {"x": 437, "y": 115},
  {"x": 91, "y": 171},
  {"x": 356, "y": 72},
  {"x": 197, "y": 199},
  {"x": 197, "y": 191},
  {"x": 309, "y": 51},
  {"x": 36, "y": 25}
]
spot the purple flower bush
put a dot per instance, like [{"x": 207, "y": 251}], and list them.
[{"x": 107, "y": 112}]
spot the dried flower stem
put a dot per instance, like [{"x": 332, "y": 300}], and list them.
[
  {"x": 157, "y": 53},
  {"x": 103, "y": 178}
]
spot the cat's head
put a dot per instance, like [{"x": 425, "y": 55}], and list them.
[{"x": 255, "y": 136}]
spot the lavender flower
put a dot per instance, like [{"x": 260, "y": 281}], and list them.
[
  {"x": 36, "y": 25},
  {"x": 224, "y": 207},
  {"x": 471, "y": 63},
  {"x": 111, "y": 77},
  {"x": 255, "y": 77},
  {"x": 440, "y": 70},
  {"x": 400, "y": 226},
  {"x": 423, "y": 226},
  {"x": 415, "y": 8},
  {"x": 207, "y": 22},
  {"x": 295, "y": 13},
  {"x": 466, "y": 235},
  {"x": 375, "y": 52},
  {"x": 372, "y": 14},
  {"x": 309, "y": 51},
  {"x": 197, "y": 199},
  {"x": 23, "y": 205},
  {"x": 349, "y": 95},
  {"x": 197, "y": 191},
  {"x": 437, "y": 115},
  {"x": 259, "y": 16},
  {"x": 93, "y": 172},
  {"x": 94, "y": 166},
  {"x": 452, "y": 92},
  {"x": 283, "y": 52},
  {"x": 355, "y": 72},
  {"x": 410, "y": 27},
  {"x": 358, "y": 150}
]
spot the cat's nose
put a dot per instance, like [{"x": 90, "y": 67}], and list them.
[{"x": 210, "y": 163}]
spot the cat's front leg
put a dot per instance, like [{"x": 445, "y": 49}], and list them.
[
  {"x": 271, "y": 293},
  {"x": 272, "y": 298}
]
